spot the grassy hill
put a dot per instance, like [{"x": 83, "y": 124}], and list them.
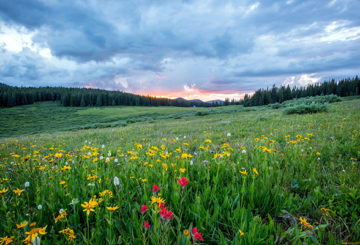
[{"x": 255, "y": 177}]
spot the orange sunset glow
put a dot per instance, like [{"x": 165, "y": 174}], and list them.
[{"x": 198, "y": 94}]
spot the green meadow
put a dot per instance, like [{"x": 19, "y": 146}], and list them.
[{"x": 238, "y": 175}]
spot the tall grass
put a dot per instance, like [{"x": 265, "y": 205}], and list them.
[{"x": 250, "y": 181}]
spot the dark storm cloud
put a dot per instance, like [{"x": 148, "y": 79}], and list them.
[{"x": 237, "y": 42}]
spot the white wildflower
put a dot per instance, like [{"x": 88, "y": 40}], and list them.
[
  {"x": 116, "y": 181},
  {"x": 27, "y": 184}
]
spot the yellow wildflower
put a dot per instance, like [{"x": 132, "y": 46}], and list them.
[
  {"x": 89, "y": 206},
  {"x": 3, "y": 191},
  {"x": 157, "y": 200},
  {"x": 33, "y": 234},
  {"x": 112, "y": 208},
  {"x": 65, "y": 168},
  {"x": 255, "y": 171},
  {"x": 60, "y": 216},
  {"x": 18, "y": 191},
  {"x": 243, "y": 172},
  {"x": 69, "y": 232},
  {"x": 241, "y": 232},
  {"x": 22, "y": 224},
  {"x": 6, "y": 240}
]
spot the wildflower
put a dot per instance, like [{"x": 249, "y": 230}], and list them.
[
  {"x": 186, "y": 156},
  {"x": 32, "y": 224},
  {"x": 305, "y": 223},
  {"x": 186, "y": 232},
  {"x": 207, "y": 141},
  {"x": 87, "y": 207},
  {"x": 205, "y": 161},
  {"x": 325, "y": 210},
  {"x": 65, "y": 168},
  {"x": 18, "y": 191},
  {"x": 196, "y": 234},
  {"x": 22, "y": 224},
  {"x": 241, "y": 233},
  {"x": 62, "y": 182},
  {"x": 61, "y": 215},
  {"x": 182, "y": 170},
  {"x": 39, "y": 207},
  {"x": 6, "y": 240},
  {"x": 166, "y": 214},
  {"x": 183, "y": 182},
  {"x": 112, "y": 208},
  {"x": 106, "y": 193},
  {"x": 33, "y": 234},
  {"x": 146, "y": 225},
  {"x": 157, "y": 200},
  {"x": 156, "y": 188},
  {"x": 58, "y": 155},
  {"x": 3, "y": 191},
  {"x": 27, "y": 184},
  {"x": 243, "y": 172},
  {"x": 191, "y": 162},
  {"x": 116, "y": 181},
  {"x": 255, "y": 171},
  {"x": 69, "y": 232},
  {"x": 228, "y": 134},
  {"x": 143, "y": 209},
  {"x": 116, "y": 160}
]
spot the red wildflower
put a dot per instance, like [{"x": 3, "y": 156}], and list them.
[
  {"x": 155, "y": 188},
  {"x": 194, "y": 230},
  {"x": 198, "y": 236},
  {"x": 183, "y": 182},
  {"x": 146, "y": 225},
  {"x": 166, "y": 214},
  {"x": 161, "y": 205},
  {"x": 143, "y": 209}
]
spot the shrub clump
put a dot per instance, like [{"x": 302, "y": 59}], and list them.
[{"x": 306, "y": 108}]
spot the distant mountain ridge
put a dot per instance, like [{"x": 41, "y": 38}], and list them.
[{"x": 219, "y": 102}]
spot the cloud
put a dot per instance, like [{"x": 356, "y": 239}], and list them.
[
  {"x": 224, "y": 47},
  {"x": 301, "y": 81}
]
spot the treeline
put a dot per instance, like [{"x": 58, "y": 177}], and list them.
[
  {"x": 342, "y": 88},
  {"x": 12, "y": 96}
]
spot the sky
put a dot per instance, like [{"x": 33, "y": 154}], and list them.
[{"x": 192, "y": 49}]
